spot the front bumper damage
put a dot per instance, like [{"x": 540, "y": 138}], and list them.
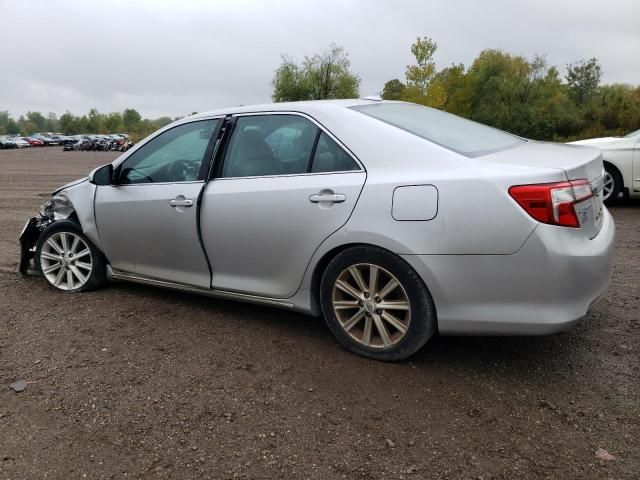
[{"x": 28, "y": 241}]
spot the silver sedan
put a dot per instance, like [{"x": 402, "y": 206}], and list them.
[{"x": 391, "y": 220}]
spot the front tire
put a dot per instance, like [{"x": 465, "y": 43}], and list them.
[
  {"x": 376, "y": 305},
  {"x": 612, "y": 184},
  {"x": 68, "y": 260}
]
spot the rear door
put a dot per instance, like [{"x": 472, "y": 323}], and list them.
[
  {"x": 148, "y": 220},
  {"x": 284, "y": 186}
]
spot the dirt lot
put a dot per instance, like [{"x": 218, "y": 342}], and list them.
[{"x": 138, "y": 382}]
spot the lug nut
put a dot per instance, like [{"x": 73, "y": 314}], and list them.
[{"x": 377, "y": 299}]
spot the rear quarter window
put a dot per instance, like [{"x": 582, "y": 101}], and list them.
[{"x": 455, "y": 133}]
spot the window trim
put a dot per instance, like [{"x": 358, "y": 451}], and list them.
[
  {"x": 209, "y": 151},
  {"x": 220, "y": 158}
]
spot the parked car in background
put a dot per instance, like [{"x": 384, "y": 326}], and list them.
[
  {"x": 20, "y": 142},
  {"x": 62, "y": 139},
  {"x": 34, "y": 142},
  {"x": 392, "y": 220},
  {"x": 7, "y": 143},
  {"x": 621, "y": 158},
  {"x": 48, "y": 141}
]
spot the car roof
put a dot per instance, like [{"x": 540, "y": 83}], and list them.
[{"x": 309, "y": 107}]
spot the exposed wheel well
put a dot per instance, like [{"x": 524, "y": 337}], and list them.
[{"x": 321, "y": 266}]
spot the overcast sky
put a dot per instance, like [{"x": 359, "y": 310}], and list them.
[{"x": 172, "y": 57}]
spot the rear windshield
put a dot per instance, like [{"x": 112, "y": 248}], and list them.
[{"x": 450, "y": 131}]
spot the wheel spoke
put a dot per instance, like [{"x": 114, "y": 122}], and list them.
[
  {"x": 345, "y": 287},
  {"x": 397, "y": 324},
  {"x": 366, "y": 334},
  {"x": 58, "y": 278},
  {"x": 70, "y": 283},
  {"x": 53, "y": 244},
  {"x": 74, "y": 244},
  {"x": 83, "y": 253},
  {"x": 394, "y": 305},
  {"x": 65, "y": 243},
  {"x": 52, "y": 268},
  {"x": 50, "y": 256},
  {"x": 382, "y": 330},
  {"x": 389, "y": 287},
  {"x": 374, "y": 272},
  {"x": 345, "y": 304},
  {"x": 349, "y": 324},
  {"x": 83, "y": 265},
  {"x": 83, "y": 278},
  {"x": 357, "y": 276}
]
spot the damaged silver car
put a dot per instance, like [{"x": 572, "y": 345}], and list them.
[{"x": 392, "y": 220}]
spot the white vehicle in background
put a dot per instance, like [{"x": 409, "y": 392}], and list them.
[
  {"x": 621, "y": 157},
  {"x": 20, "y": 142}
]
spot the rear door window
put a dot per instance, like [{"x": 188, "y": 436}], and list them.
[
  {"x": 265, "y": 145},
  {"x": 330, "y": 157}
]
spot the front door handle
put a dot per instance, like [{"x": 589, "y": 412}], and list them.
[
  {"x": 327, "y": 197},
  {"x": 180, "y": 202}
]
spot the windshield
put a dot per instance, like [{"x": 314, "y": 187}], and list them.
[
  {"x": 450, "y": 131},
  {"x": 633, "y": 134}
]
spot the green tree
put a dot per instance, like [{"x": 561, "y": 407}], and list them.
[
  {"x": 393, "y": 90},
  {"x": 420, "y": 74},
  {"x": 131, "y": 119},
  {"x": 4, "y": 121},
  {"x": 12, "y": 127},
  {"x": 68, "y": 123},
  {"x": 113, "y": 122},
  {"x": 322, "y": 76},
  {"x": 583, "y": 79},
  {"x": 35, "y": 121},
  {"x": 95, "y": 121}
]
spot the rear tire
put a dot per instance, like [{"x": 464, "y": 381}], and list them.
[
  {"x": 67, "y": 259},
  {"x": 376, "y": 305}
]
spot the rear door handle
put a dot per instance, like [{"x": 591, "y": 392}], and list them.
[
  {"x": 327, "y": 197},
  {"x": 180, "y": 203}
]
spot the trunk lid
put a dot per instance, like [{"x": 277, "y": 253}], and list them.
[{"x": 577, "y": 162}]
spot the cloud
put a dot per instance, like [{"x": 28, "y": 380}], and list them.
[{"x": 175, "y": 57}]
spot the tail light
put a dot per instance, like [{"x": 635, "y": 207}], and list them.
[{"x": 553, "y": 203}]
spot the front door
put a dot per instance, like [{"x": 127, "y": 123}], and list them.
[
  {"x": 284, "y": 186},
  {"x": 147, "y": 220}
]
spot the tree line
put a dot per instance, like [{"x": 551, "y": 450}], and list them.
[
  {"x": 129, "y": 121},
  {"x": 524, "y": 96}
]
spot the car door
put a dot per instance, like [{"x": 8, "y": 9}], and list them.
[
  {"x": 148, "y": 220},
  {"x": 283, "y": 187}
]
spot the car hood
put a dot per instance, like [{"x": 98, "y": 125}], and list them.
[
  {"x": 70, "y": 184},
  {"x": 596, "y": 141}
]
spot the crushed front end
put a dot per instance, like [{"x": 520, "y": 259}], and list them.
[{"x": 57, "y": 208}]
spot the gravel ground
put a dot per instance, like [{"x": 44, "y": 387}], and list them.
[{"x": 138, "y": 382}]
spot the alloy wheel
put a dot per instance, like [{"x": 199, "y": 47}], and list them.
[
  {"x": 66, "y": 261},
  {"x": 371, "y": 305},
  {"x": 609, "y": 185}
]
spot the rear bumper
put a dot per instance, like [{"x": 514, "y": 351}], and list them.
[{"x": 546, "y": 287}]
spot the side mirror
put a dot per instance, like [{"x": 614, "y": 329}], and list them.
[{"x": 102, "y": 175}]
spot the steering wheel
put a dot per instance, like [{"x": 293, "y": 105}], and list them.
[{"x": 178, "y": 170}]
